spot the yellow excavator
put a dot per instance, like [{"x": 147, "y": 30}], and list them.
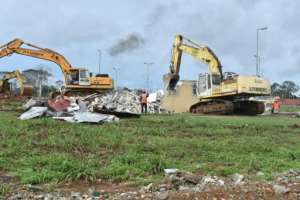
[
  {"x": 213, "y": 92},
  {"x": 25, "y": 90},
  {"x": 76, "y": 79}
]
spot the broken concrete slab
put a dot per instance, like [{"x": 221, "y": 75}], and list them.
[
  {"x": 170, "y": 171},
  {"x": 33, "y": 112},
  {"x": 237, "y": 178},
  {"x": 280, "y": 189}
]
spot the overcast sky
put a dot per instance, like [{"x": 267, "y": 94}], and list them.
[{"x": 132, "y": 32}]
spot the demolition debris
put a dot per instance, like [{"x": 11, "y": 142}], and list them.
[{"x": 93, "y": 108}]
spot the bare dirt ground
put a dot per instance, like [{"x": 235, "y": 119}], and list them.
[{"x": 179, "y": 186}]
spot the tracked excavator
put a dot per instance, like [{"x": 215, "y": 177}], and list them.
[
  {"x": 77, "y": 80},
  {"x": 215, "y": 92},
  {"x": 25, "y": 90}
]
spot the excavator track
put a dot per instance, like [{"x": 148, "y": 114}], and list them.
[
  {"x": 248, "y": 107},
  {"x": 225, "y": 107},
  {"x": 213, "y": 107}
]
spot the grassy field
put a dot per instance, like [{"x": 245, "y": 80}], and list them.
[
  {"x": 285, "y": 108},
  {"x": 45, "y": 150}
]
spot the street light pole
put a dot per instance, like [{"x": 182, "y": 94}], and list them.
[
  {"x": 147, "y": 68},
  {"x": 100, "y": 56},
  {"x": 257, "y": 49},
  {"x": 116, "y": 72},
  {"x": 256, "y": 56}
]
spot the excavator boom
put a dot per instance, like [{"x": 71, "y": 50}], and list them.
[
  {"x": 38, "y": 52},
  {"x": 202, "y": 53}
]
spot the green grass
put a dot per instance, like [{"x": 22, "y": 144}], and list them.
[
  {"x": 10, "y": 105},
  {"x": 285, "y": 108},
  {"x": 45, "y": 150},
  {"x": 4, "y": 189}
]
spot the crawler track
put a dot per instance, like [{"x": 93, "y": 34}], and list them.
[
  {"x": 247, "y": 107},
  {"x": 213, "y": 107},
  {"x": 226, "y": 107}
]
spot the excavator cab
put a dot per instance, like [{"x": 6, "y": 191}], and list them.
[
  {"x": 78, "y": 77},
  {"x": 206, "y": 83},
  {"x": 84, "y": 77}
]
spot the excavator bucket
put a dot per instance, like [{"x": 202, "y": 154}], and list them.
[
  {"x": 27, "y": 90},
  {"x": 170, "y": 81}
]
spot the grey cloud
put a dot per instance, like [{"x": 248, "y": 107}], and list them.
[
  {"x": 156, "y": 15},
  {"x": 131, "y": 42}
]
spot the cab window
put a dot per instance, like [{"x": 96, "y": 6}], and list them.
[
  {"x": 84, "y": 74},
  {"x": 216, "y": 79}
]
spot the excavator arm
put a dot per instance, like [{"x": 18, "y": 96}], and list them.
[
  {"x": 202, "y": 53},
  {"x": 15, "y": 46}
]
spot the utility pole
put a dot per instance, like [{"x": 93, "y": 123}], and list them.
[
  {"x": 116, "y": 69},
  {"x": 257, "y": 56},
  {"x": 100, "y": 56},
  {"x": 148, "y": 64}
]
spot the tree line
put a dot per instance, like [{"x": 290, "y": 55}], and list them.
[
  {"x": 39, "y": 78},
  {"x": 286, "y": 90}
]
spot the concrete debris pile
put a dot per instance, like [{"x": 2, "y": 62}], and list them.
[
  {"x": 69, "y": 109},
  {"x": 122, "y": 102},
  {"x": 93, "y": 108},
  {"x": 154, "y": 101}
]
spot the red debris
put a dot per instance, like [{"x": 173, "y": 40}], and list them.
[{"x": 58, "y": 105}]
